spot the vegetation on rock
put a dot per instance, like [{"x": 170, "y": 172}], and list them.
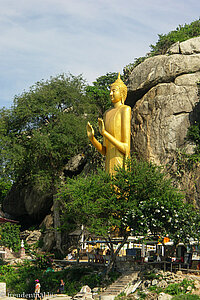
[
  {"x": 193, "y": 135},
  {"x": 180, "y": 34}
]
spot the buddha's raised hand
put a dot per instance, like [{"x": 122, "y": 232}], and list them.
[
  {"x": 90, "y": 131},
  {"x": 101, "y": 126}
]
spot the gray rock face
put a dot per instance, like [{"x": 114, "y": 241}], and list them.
[
  {"x": 161, "y": 119},
  {"x": 163, "y": 296},
  {"x": 33, "y": 237},
  {"x": 154, "y": 282},
  {"x": 190, "y": 46},
  {"x": 30, "y": 205},
  {"x": 160, "y": 69},
  {"x": 164, "y": 95},
  {"x": 162, "y": 284},
  {"x": 27, "y": 202},
  {"x": 48, "y": 237}
]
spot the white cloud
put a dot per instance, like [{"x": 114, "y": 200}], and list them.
[{"x": 43, "y": 38}]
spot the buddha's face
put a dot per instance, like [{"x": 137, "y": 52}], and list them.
[{"x": 115, "y": 94}]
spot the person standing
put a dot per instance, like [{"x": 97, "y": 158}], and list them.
[
  {"x": 61, "y": 287},
  {"x": 37, "y": 289}
]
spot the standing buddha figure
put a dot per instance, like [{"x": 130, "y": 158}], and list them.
[{"x": 115, "y": 129}]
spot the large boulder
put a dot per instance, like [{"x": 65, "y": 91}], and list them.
[
  {"x": 159, "y": 69},
  {"x": 48, "y": 236},
  {"x": 30, "y": 205},
  {"x": 27, "y": 203},
  {"x": 161, "y": 118},
  {"x": 190, "y": 46},
  {"x": 163, "y": 92}
]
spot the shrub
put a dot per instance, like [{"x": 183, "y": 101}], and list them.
[
  {"x": 10, "y": 236},
  {"x": 156, "y": 289},
  {"x": 181, "y": 33},
  {"x": 22, "y": 279},
  {"x": 179, "y": 288},
  {"x": 142, "y": 295},
  {"x": 150, "y": 276},
  {"x": 44, "y": 261}
]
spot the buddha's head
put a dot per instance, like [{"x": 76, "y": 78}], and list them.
[{"x": 118, "y": 91}]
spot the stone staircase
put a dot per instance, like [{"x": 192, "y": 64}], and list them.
[{"x": 119, "y": 286}]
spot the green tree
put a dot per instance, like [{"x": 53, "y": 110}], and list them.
[
  {"x": 43, "y": 129},
  {"x": 99, "y": 92},
  {"x": 10, "y": 236},
  {"x": 138, "y": 200},
  {"x": 5, "y": 186}
]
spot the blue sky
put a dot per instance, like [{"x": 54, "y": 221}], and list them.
[{"x": 39, "y": 39}]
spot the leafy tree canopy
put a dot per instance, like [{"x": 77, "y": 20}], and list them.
[
  {"x": 5, "y": 186},
  {"x": 43, "y": 129},
  {"x": 99, "y": 92},
  {"x": 139, "y": 201}
]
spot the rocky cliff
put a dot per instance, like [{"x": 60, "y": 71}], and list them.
[{"x": 163, "y": 92}]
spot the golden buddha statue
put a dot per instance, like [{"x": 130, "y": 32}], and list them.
[{"x": 115, "y": 129}]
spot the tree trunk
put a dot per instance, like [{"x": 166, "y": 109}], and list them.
[
  {"x": 57, "y": 234},
  {"x": 114, "y": 254}
]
